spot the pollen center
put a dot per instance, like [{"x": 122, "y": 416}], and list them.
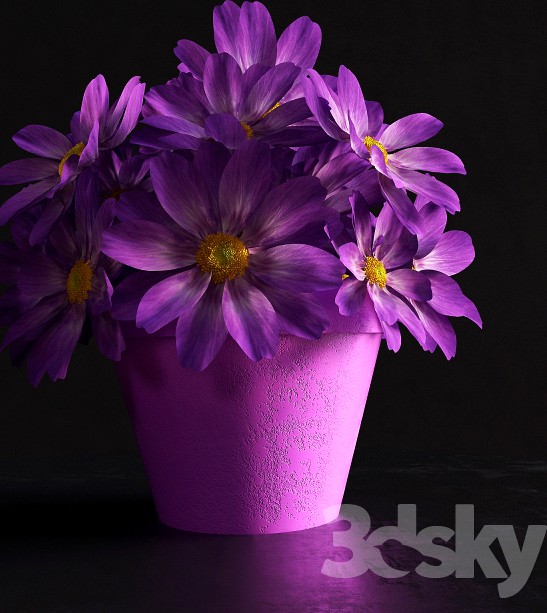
[
  {"x": 78, "y": 282},
  {"x": 375, "y": 272},
  {"x": 369, "y": 142},
  {"x": 223, "y": 255},
  {"x": 248, "y": 129},
  {"x": 76, "y": 150}
]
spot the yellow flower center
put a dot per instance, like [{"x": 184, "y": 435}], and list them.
[
  {"x": 223, "y": 255},
  {"x": 369, "y": 142},
  {"x": 76, "y": 150},
  {"x": 375, "y": 272},
  {"x": 276, "y": 105},
  {"x": 78, "y": 282},
  {"x": 248, "y": 129}
]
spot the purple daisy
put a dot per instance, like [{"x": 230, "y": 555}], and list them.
[
  {"x": 237, "y": 269},
  {"x": 61, "y": 158},
  {"x": 65, "y": 285},
  {"x": 248, "y": 35},
  {"x": 346, "y": 116},
  {"x": 229, "y": 106},
  {"x": 124, "y": 177},
  {"x": 380, "y": 266}
]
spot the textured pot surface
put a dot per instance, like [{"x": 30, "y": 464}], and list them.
[{"x": 245, "y": 447}]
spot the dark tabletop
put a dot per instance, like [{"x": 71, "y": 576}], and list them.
[{"x": 80, "y": 534}]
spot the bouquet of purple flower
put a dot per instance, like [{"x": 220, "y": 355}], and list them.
[{"x": 225, "y": 200}]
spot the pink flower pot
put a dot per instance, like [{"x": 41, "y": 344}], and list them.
[{"x": 245, "y": 447}]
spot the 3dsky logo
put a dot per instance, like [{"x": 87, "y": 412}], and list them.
[{"x": 461, "y": 560}]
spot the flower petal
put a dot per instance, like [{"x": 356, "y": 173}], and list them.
[
  {"x": 432, "y": 227},
  {"x": 225, "y": 129},
  {"x": 53, "y": 351},
  {"x": 428, "y": 186},
  {"x": 410, "y": 283},
  {"x": 201, "y": 331},
  {"x": 132, "y": 111},
  {"x": 299, "y": 43},
  {"x": 351, "y": 296},
  {"x": 324, "y": 105},
  {"x": 161, "y": 140},
  {"x": 183, "y": 97},
  {"x": 438, "y": 327},
  {"x": 339, "y": 170},
  {"x": 361, "y": 223},
  {"x": 297, "y": 268},
  {"x": 225, "y": 25},
  {"x": 25, "y": 198},
  {"x": 430, "y": 159},
  {"x": 90, "y": 152},
  {"x": 257, "y": 42},
  {"x": 286, "y": 209},
  {"x": 51, "y": 213},
  {"x": 108, "y": 336},
  {"x": 268, "y": 91},
  {"x": 192, "y": 57},
  {"x": 43, "y": 141},
  {"x": 35, "y": 318},
  {"x": 448, "y": 298},
  {"x": 352, "y": 259},
  {"x": 222, "y": 82},
  {"x": 243, "y": 185},
  {"x": 390, "y": 309},
  {"x": 183, "y": 193},
  {"x": 166, "y": 300},
  {"x": 117, "y": 111},
  {"x": 284, "y": 115},
  {"x": 375, "y": 117},
  {"x": 453, "y": 252},
  {"x": 41, "y": 276},
  {"x": 250, "y": 319},
  {"x": 27, "y": 171},
  {"x": 410, "y": 130},
  {"x": 174, "y": 124},
  {"x": 392, "y": 334},
  {"x": 298, "y": 314},
  {"x": 352, "y": 101},
  {"x": 129, "y": 293},
  {"x": 95, "y": 106},
  {"x": 401, "y": 204},
  {"x": 147, "y": 246}
]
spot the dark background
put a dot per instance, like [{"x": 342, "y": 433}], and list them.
[{"x": 477, "y": 66}]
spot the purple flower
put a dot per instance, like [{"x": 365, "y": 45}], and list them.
[
  {"x": 380, "y": 265},
  {"x": 124, "y": 177},
  {"x": 439, "y": 256},
  {"x": 229, "y": 106},
  {"x": 248, "y": 35},
  {"x": 346, "y": 116},
  {"x": 61, "y": 158},
  {"x": 236, "y": 267},
  {"x": 65, "y": 285}
]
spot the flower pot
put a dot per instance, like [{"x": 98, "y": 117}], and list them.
[{"x": 245, "y": 447}]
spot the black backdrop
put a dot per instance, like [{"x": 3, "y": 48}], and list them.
[{"x": 475, "y": 65}]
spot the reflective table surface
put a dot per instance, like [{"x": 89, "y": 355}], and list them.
[{"x": 81, "y": 535}]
